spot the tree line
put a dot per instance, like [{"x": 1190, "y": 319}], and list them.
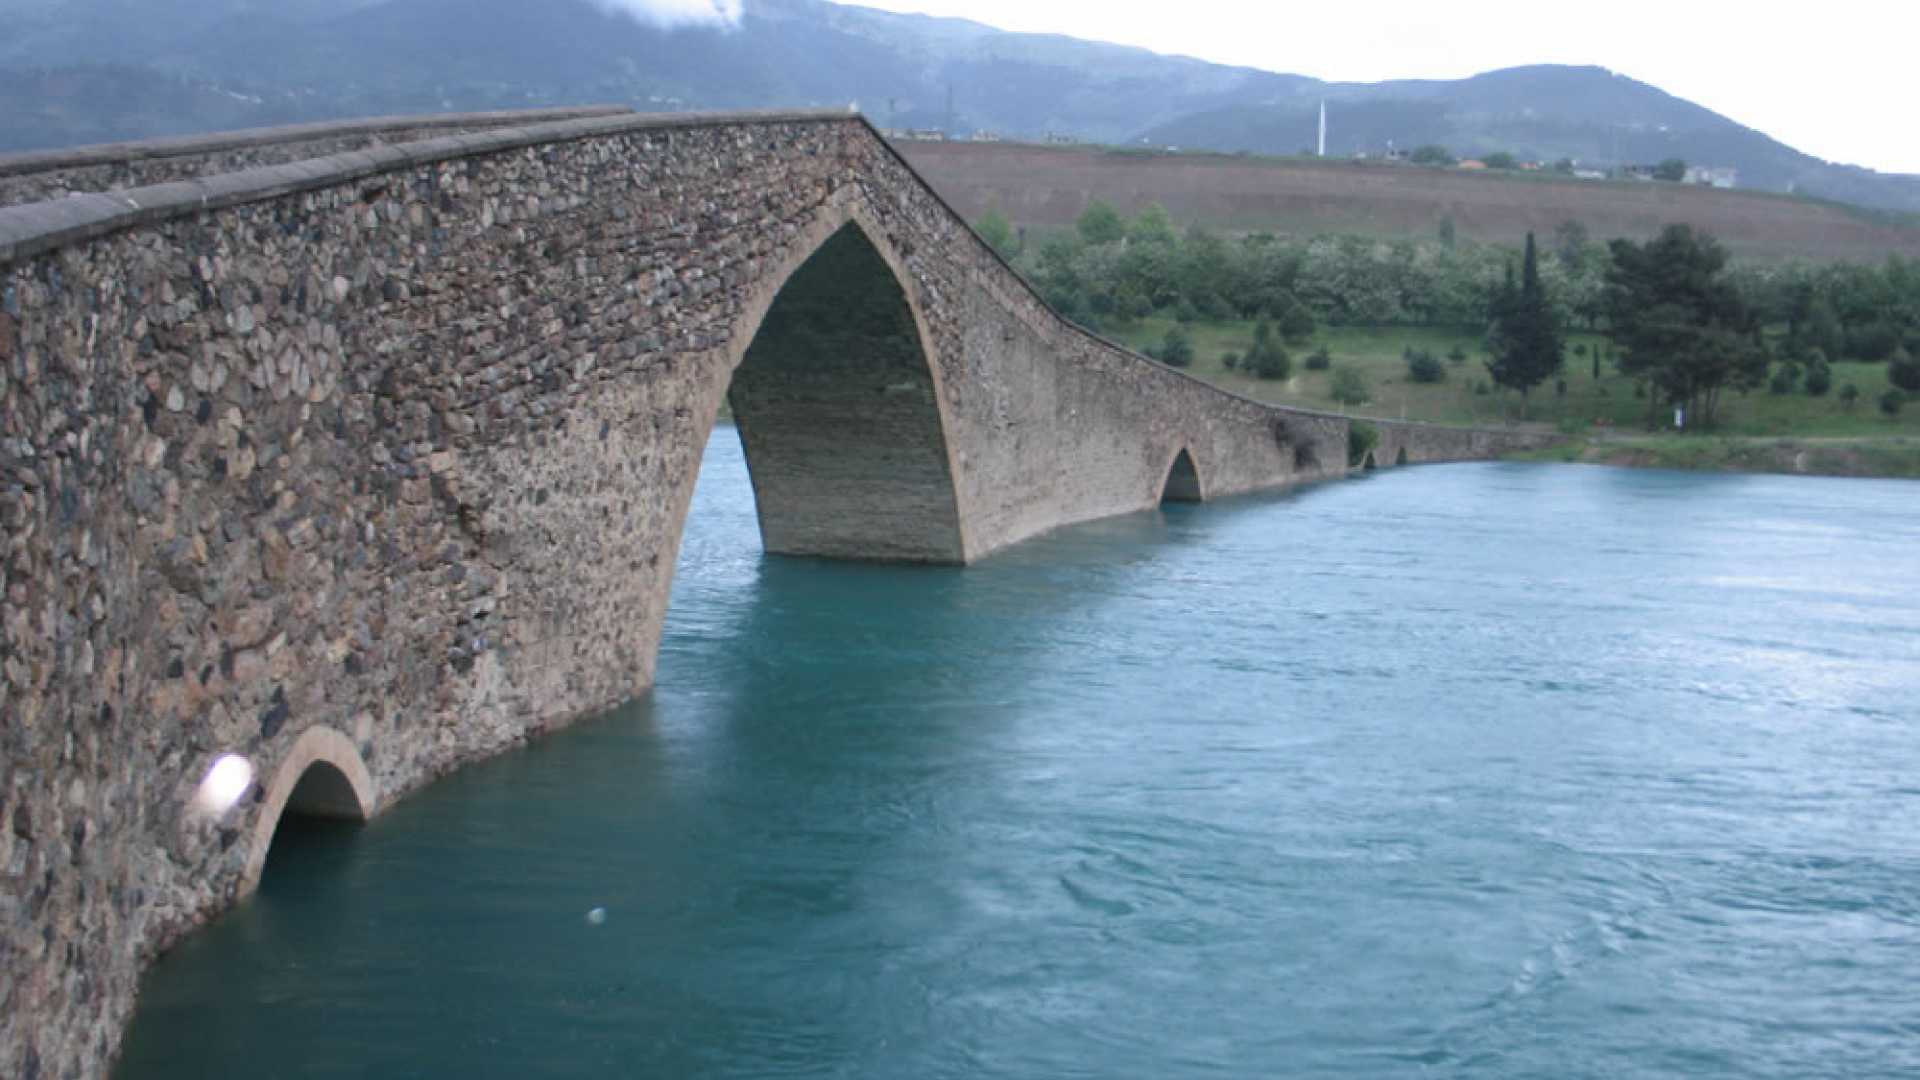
[{"x": 1688, "y": 323}]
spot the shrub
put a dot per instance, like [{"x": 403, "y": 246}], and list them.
[
  {"x": 1185, "y": 312},
  {"x": 1785, "y": 380},
  {"x": 1319, "y": 359},
  {"x": 1350, "y": 387},
  {"x": 1903, "y": 370},
  {"x": 1176, "y": 349},
  {"x": 1424, "y": 367},
  {"x": 1267, "y": 359},
  {"x": 1891, "y": 402},
  {"x": 1361, "y": 437},
  {"x": 1481, "y": 388},
  {"x": 1269, "y": 362},
  {"x": 1230, "y": 360},
  {"x": 1457, "y": 355},
  {"x": 1296, "y": 323},
  {"x": 1819, "y": 379}
]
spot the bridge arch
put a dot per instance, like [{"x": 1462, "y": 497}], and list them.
[
  {"x": 322, "y": 776},
  {"x": 1182, "y": 481},
  {"x": 833, "y": 381}
]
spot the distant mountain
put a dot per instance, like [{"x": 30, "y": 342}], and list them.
[
  {"x": 1536, "y": 113},
  {"x": 75, "y": 71}
]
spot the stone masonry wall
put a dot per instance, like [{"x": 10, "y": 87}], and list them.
[
  {"x": 396, "y": 447},
  {"x": 39, "y": 175}
]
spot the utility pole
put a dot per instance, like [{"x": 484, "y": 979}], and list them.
[{"x": 1323, "y": 128}]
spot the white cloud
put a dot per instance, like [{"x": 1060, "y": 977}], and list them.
[{"x": 671, "y": 13}]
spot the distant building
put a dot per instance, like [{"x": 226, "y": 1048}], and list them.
[
  {"x": 924, "y": 135},
  {"x": 1064, "y": 140},
  {"x": 1589, "y": 174},
  {"x": 1638, "y": 172},
  {"x": 1713, "y": 176},
  {"x": 986, "y": 136},
  {"x": 1472, "y": 165}
]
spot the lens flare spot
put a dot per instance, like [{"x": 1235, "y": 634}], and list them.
[{"x": 226, "y": 783}]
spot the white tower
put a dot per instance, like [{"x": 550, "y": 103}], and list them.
[{"x": 1323, "y": 129}]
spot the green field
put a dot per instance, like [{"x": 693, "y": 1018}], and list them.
[{"x": 1588, "y": 406}]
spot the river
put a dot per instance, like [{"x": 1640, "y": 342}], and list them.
[{"x": 1490, "y": 770}]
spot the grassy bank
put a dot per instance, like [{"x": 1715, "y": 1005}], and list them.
[
  {"x": 1894, "y": 456},
  {"x": 1466, "y": 396},
  {"x": 1757, "y": 431}
]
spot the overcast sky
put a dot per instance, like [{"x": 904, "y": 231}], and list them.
[{"x": 1839, "y": 79}]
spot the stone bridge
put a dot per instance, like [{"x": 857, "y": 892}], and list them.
[{"x": 349, "y": 453}]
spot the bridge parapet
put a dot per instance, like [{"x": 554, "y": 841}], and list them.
[{"x": 40, "y": 175}]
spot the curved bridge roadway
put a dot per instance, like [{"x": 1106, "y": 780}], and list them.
[{"x": 349, "y": 453}]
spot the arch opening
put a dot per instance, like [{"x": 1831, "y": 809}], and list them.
[
  {"x": 838, "y": 411},
  {"x": 322, "y": 779},
  {"x": 1368, "y": 464},
  {"x": 1183, "y": 480},
  {"x": 1401, "y": 457}
]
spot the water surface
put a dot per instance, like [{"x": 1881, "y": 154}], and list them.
[{"x": 1480, "y": 770}]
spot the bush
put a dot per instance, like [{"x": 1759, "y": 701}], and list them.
[
  {"x": 1457, "y": 355},
  {"x": 1230, "y": 360},
  {"x": 1424, "y": 367},
  {"x": 1185, "y": 312},
  {"x": 1903, "y": 370},
  {"x": 1785, "y": 380},
  {"x": 1319, "y": 359},
  {"x": 1296, "y": 323},
  {"x": 1819, "y": 380},
  {"x": 1176, "y": 349},
  {"x": 1891, "y": 403},
  {"x": 1267, "y": 359},
  {"x": 1361, "y": 437},
  {"x": 1350, "y": 387},
  {"x": 1481, "y": 388},
  {"x": 1849, "y": 396},
  {"x": 1269, "y": 362}
]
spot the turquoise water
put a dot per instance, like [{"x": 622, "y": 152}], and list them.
[{"x": 1480, "y": 770}]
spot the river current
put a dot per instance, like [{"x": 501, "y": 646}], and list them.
[{"x": 1489, "y": 770}]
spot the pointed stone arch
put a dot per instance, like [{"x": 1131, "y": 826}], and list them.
[
  {"x": 321, "y": 776},
  {"x": 1182, "y": 483},
  {"x": 836, "y": 386}
]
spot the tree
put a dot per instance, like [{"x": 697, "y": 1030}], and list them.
[
  {"x": 1501, "y": 159},
  {"x": 1849, "y": 397},
  {"x": 1903, "y": 370},
  {"x": 1891, "y": 402},
  {"x": 1267, "y": 359},
  {"x": 997, "y": 231},
  {"x": 1176, "y": 349},
  {"x": 1673, "y": 169},
  {"x": 1819, "y": 374},
  {"x": 1431, "y": 154},
  {"x": 1526, "y": 331},
  {"x": 1683, "y": 325},
  {"x": 1424, "y": 367},
  {"x": 1296, "y": 323},
  {"x": 1100, "y": 223},
  {"x": 1349, "y": 386}
]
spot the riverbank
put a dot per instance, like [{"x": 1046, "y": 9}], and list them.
[{"x": 1890, "y": 457}]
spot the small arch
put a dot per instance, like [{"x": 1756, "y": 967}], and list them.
[
  {"x": 1368, "y": 464},
  {"x": 1183, "y": 480},
  {"x": 1401, "y": 458},
  {"x": 322, "y": 776}
]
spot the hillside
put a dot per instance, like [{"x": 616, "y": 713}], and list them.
[
  {"x": 73, "y": 71},
  {"x": 1047, "y": 187}
]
